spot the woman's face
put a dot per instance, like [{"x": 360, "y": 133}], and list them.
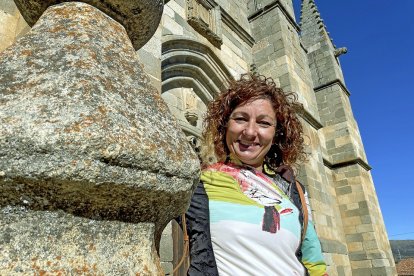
[{"x": 250, "y": 131}]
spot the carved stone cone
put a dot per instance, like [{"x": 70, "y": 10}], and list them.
[
  {"x": 92, "y": 164},
  {"x": 139, "y": 17}
]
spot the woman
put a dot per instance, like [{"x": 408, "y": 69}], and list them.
[{"x": 246, "y": 215}]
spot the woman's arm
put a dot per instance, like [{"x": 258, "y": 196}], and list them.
[
  {"x": 202, "y": 261},
  {"x": 312, "y": 257}
]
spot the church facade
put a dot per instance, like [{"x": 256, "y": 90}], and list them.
[{"x": 201, "y": 45}]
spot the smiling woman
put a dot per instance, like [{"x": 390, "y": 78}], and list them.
[
  {"x": 251, "y": 131},
  {"x": 248, "y": 215},
  {"x": 287, "y": 146}
]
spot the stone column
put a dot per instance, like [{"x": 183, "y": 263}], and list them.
[{"x": 92, "y": 164}]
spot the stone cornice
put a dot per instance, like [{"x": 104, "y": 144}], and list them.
[
  {"x": 209, "y": 4},
  {"x": 331, "y": 83},
  {"x": 308, "y": 117},
  {"x": 271, "y": 6},
  {"x": 235, "y": 27},
  {"x": 303, "y": 46},
  {"x": 356, "y": 161}
]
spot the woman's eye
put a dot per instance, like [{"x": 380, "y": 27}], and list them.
[
  {"x": 240, "y": 119},
  {"x": 265, "y": 124}
]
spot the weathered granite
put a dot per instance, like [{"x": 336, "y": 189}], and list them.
[
  {"x": 139, "y": 17},
  {"x": 86, "y": 145},
  {"x": 58, "y": 243},
  {"x": 12, "y": 24}
]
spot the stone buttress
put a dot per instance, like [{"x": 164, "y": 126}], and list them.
[{"x": 344, "y": 155}]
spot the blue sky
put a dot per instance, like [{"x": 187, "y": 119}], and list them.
[{"x": 379, "y": 73}]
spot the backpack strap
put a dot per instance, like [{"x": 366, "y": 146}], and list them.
[
  {"x": 304, "y": 209},
  {"x": 286, "y": 172},
  {"x": 186, "y": 246}
]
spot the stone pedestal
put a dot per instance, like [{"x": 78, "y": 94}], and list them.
[{"x": 92, "y": 164}]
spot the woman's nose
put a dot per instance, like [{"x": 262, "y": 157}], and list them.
[{"x": 250, "y": 129}]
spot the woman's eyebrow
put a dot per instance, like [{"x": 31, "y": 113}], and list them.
[
  {"x": 263, "y": 116},
  {"x": 238, "y": 113}
]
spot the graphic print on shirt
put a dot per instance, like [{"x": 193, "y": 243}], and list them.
[{"x": 260, "y": 189}]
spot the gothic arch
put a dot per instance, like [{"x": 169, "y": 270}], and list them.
[{"x": 190, "y": 67}]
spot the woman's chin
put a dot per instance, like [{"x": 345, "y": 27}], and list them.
[{"x": 250, "y": 160}]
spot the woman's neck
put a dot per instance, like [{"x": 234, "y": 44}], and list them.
[{"x": 236, "y": 161}]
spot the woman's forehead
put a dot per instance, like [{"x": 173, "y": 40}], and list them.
[{"x": 262, "y": 106}]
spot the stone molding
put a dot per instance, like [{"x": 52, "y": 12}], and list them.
[
  {"x": 332, "y": 83},
  {"x": 356, "y": 161},
  {"x": 271, "y": 6},
  {"x": 181, "y": 57},
  {"x": 309, "y": 118},
  {"x": 191, "y": 64}
]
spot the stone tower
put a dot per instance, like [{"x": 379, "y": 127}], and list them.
[
  {"x": 200, "y": 45},
  {"x": 344, "y": 155}
]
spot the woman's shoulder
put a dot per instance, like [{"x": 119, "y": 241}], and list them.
[{"x": 217, "y": 171}]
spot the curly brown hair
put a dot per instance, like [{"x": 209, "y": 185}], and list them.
[{"x": 288, "y": 148}]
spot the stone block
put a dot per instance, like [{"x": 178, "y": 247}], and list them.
[
  {"x": 369, "y": 236},
  {"x": 383, "y": 271},
  {"x": 376, "y": 254},
  {"x": 361, "y": 264},
  {"x": 357, "y": 212},
  {"x": 333, "y": 246},
  {"x": 358, "y": 256},
  {"x": 167, "y": 267},
  {"x": 57, "y": 242},
  {"x": 344, "y": 190},
  {"x": 354, "y": 237},
  {"x": 166, "y": 248},
  {"x": 355, "y": 246},
  {"x": 171, "y": 27},
  {"x": 371, "y": 245},
  {"x": 168, "y": 11},
  {"x": 329, "y": 221},
  {"x": 363, "y": 228},
  {"x": 341, "y": 271},
  {"x": 380, "y": 263},
  {"x": 361, "y": 271},
  {"x": 180, "y": 20},
  {"x": 178, "y": 8}
]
